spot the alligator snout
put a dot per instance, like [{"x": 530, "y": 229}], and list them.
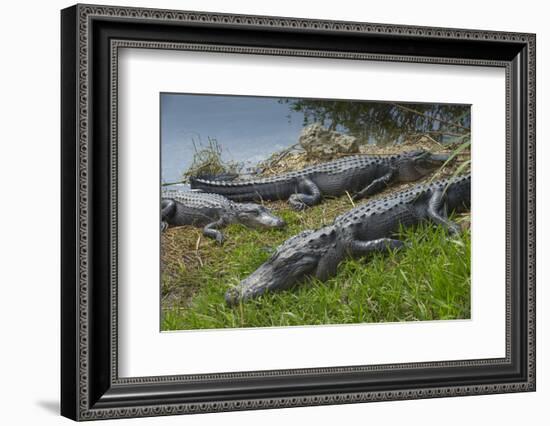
[
  {"x": 271, "y": 221},
  {"x": 253, "y": 286},
  {"x": 257, "y": 216},
  {"x": 265, "y": 220}
]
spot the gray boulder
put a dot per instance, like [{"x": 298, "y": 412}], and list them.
[{"x": 322, "y": 143}]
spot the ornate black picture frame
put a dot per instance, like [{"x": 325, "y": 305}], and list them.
[{"x": 91, "y": 37}]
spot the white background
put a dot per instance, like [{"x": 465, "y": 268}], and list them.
[
  {"x": 190, "y": 352},
  {"x": 29, "y": 225}
]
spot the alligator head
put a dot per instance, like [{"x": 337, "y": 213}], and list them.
[
  {"x": 413, "y": 165},
  {"x": 257, "y": 216},
  {"x": 309, "y": 253}
]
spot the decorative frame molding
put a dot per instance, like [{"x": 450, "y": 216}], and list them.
[{"x": 91, "y": 37}]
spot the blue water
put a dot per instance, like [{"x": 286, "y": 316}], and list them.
[{"x": 249, "y": 129}]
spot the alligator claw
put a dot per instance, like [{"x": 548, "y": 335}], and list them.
[
  {"x": 454, "y": 229},
  {"x": 298, "y": 206},
  {"x": 232, "y": 297},
  {"x": 296, "y": 203}
]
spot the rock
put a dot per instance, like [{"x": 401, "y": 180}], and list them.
[{"x": 325, "y": 144}]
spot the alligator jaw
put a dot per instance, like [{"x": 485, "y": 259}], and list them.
[{"x": 417, "y": 165}]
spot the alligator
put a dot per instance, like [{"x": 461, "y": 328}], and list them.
[
  {"x": 360, "y": 175},
  {"x": 212, "y": 211},
  {"x": 365, "y": 229}
]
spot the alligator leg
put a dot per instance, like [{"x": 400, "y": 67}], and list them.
[
  {"x": 362, "y": 248},
  {"x": 375, "y": 186},
  {"x": 437, "y": 212},
  {"x": 168, "y": 208},
  {"x": 308, "y": 196},
  {"x": 328, "y": 265},
  {"x": 211, "y": 230}
]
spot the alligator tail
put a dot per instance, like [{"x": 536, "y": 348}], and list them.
[
  {"x": 236, "y": 191},
  {"x": 225, "y": 176},
  {"x": 257, "y": 190}
]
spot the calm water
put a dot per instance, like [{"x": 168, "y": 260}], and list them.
[{"x": 249, "y": 129}]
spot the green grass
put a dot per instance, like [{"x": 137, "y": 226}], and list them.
[{"x": 428, "y": 281}]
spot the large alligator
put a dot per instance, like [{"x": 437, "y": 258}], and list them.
[
  {"x": 360, "y": 175},
  {"x": 367, "y": 228},
  {"x": 212, "y": 211}
]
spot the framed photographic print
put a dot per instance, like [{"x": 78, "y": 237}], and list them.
[{"x": 263, "y": 212}]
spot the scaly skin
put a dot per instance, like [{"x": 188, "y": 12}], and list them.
[
  {"x": 360, "y": 175},
  {"x": 362, "y": 230},
  {"x": 213, "y": 211}
]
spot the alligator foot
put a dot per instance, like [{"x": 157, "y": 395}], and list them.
[
  {"x": 437, "y": 212},
  {"x": 232, "y": 297},
  {"x": 453, "y": 228},
  {"x": 211, "y": 231},
  {"x": 214, "y": 234},
  {"x": 296, "y": 203},
  {"x": 309, "y": 195}
]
